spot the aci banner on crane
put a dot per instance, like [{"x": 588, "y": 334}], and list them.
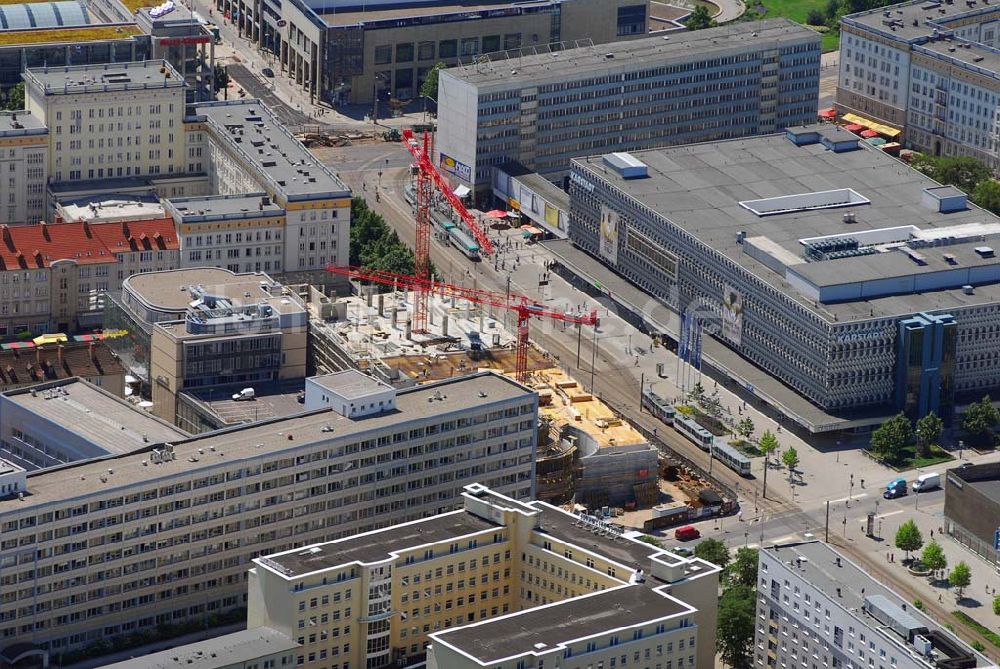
[{"x": 608, "y": 235}]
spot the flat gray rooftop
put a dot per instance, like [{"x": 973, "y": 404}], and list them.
[
  {"x": 965, "y": 53},
  {"x": 513, "y": 69},
  {"x": 375, "y": 546},
  {"x": 17, "y": 123},
  {"x": 256, "y": 441},
  {"x": 275, "y": 399},
  {"x": 350, "y": 384},
  {"x": 903, "y": 15},
  {"x": 819, "y": 568},
  {"x": 562, "y": 622},
  {"x": 624, "y": 551},
  {"x": 167, "y": 290},
  {"x": 256, "y": 134},
  {"x": 96, "y": 415},
  {"x": 699, "y": 188},
  {"x": 221, "y": 207},
  {"x": 223, "y": 651},
  {"x": 136, "y": 75}
]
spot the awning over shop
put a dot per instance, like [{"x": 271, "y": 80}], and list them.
[
  {"x": 828, "y": 113},
  {"x": 880, "y": 128},
  {"x": 496, "y": 213},
  {"x": 854, "y": 127},
  {"x": 867, "y": 134},
  {"x": 462, "y": 190},
  {"x": 50, "y": 339}
]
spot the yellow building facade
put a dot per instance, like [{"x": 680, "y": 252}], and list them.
[{"x": 498, "y": 583}]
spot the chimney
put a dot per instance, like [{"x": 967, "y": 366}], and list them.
[
  {"x": 125, "y": 231},
  {"x": 45, "y": 231},
  {"x": 7, "y": 238},
  {"x": 86, "y": 230}
]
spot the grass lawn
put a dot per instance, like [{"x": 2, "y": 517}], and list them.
[
  {"x": 910, "y": 459},
  {"x": 992, "y": 636},
  {"x": 796, "y": 10},
  {"x": 75, "y": 34}
]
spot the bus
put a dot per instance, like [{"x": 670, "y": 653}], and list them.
[
  {"x": 731, "y": 458},
  {"x": 690, "y": 428},
  {"x": 657, "y": 406},
  {"x": 464, "y": 243}
]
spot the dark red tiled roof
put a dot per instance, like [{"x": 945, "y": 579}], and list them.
[{"x": 37, "y": 246}]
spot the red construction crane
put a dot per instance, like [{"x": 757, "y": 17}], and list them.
[
  {"x": 524, "y": 306},
  {"x": 428, "y": 177}
]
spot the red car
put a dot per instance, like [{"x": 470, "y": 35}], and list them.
[{"x": 686, "y": 533}]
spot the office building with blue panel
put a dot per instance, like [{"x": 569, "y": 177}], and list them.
[
  {"x": 925, "y": 365},
  {"x": 816, "y": 263},
  {"x": 544, "y": 109}
]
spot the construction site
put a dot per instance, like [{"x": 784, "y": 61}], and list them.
[{"x": 587, "y": 454}]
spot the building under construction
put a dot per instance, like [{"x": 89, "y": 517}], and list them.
[{"x": 586, "y": 453}]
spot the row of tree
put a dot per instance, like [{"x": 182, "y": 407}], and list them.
[
  {"x": 738, "y": 603},
  {"x": 374, "y": 244},
  {"x": 909, "y": 539},
  {"x": 890, "y": 439}
]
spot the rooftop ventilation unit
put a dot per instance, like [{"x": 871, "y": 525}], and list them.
[
  {"x": 626, "y": 165},
  {"x": 984, "y": 251}
]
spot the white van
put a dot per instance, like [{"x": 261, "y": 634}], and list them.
[{"x": 927, "y": 482}]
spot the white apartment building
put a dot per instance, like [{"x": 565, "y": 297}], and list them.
[
  {"x": 110, "y": 121},
  {"x": 930, "y": 70},
  {"x": 498, "y": 583},
  {"x": 106, "y": 547},
  {"x": 250, "y": 151},
  {"x": 815, "y": 607},
  {"x": 241, "y": 232},
  {"x": 23, "y": 168}
]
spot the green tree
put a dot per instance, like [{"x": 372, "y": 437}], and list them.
[
  {"x": 815, "y": 18},
  {"x": 960, "y": 171},
  {"x": 933, "y": 557},
  {"x": 13, "y": 98},
  {"x": 996, "y": 605},
  {"x": 713, "y": 551},
  {"x": 735, "y": 625},
  {"x": 699, "y": 19},
  {"x": 987, "y": 195},
  {"x": 221, "y": 77},
  {"x": 742, "y": 571},
  {"x": 697, "y": 392},
  {"x": 960, "y": 578},
  {"x": 979, "y": 421},
  {"x": 790, "y": 458},
  {"x": 909, "y": 538},
  {"x": 929, "y": 430},
  {"x": 429, "y": 89},
  {"x": 891, "y": 436},
  {"x": 745, "y": 428},
  {"x": 768, "y": 444}
]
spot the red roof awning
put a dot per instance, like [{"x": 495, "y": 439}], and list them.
[
  {"x": 854, "y": 127},
  {"x": 869, "y": 133},
  {"x": 496, "y": 213},
  {"x": 828, "y": 113}
]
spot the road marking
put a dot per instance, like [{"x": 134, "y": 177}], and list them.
[
  {"x": 891, "y": 513},
  {"x": 852, "y": 498}
]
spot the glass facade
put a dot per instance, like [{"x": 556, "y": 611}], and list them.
[{"x": 925, "y": 376}]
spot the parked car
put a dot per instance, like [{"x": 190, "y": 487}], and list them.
[
  {"x": 245, "y": 394},
  {"x": 686, "y": 533},
  {"x": 267, "y": 72},
  {"x": 895, "y": 488},
  {"x": 927, "y": 482}
]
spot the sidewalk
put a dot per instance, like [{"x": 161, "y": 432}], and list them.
[{"x": 977, "y": 601}]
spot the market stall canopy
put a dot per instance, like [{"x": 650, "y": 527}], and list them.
[
  {"x": 828, "y": 113},
  {"x": 462, "y": 191},
  {"x": 880, "y": 128},
  {"x": 496, "y": 213}
]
